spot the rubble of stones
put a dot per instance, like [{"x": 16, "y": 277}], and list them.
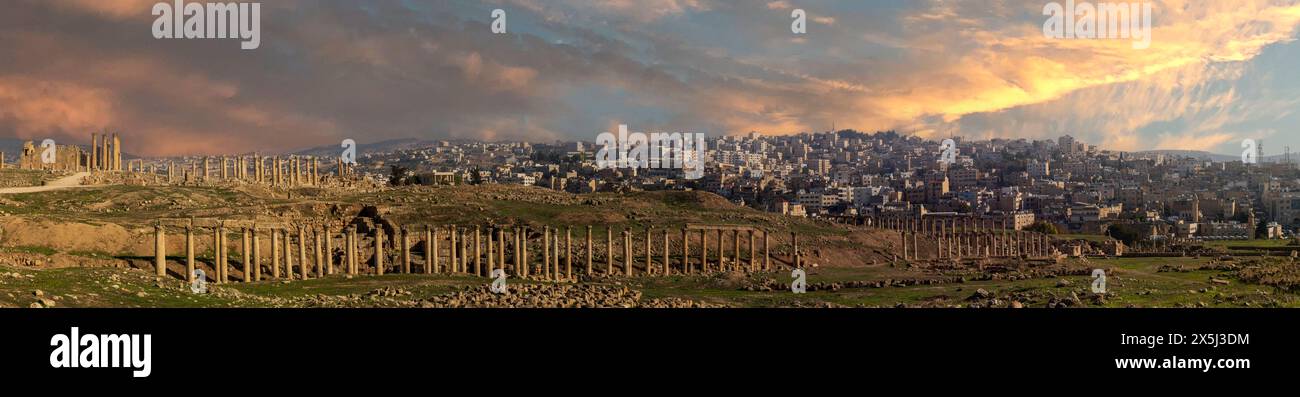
[
  {"x": 953, "y": 274},
  {"x": 553, "y": 296},
  {"x": 516, "y": 296},
  {"x": 1281, "y": 274}
]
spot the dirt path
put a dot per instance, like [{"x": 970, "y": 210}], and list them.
[{"x": 67, "y": 182}]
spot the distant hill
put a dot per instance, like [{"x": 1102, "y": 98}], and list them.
[
  {"x": 11, "y": 148},
  {"x": 381, "y": 146},
  {"x": 1199, "y": 154}
]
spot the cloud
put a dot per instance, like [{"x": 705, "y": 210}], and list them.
[{"x": 569, "y": 68}]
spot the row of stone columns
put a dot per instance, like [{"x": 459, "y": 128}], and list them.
[
  {"x": 105, "y": 154},
  {"x": 304, "y": 251},
  {"x": 294, "y": 171},
  {"x": 310, "y": 251},
  {"x": 556, "y": 246},
  {"x": 964, "y": 238}
]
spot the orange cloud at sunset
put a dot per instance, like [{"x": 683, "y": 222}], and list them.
[{"x": 567, "y": 69}]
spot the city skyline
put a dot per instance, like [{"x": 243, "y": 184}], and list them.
[{"x": 1215, "y": 73}]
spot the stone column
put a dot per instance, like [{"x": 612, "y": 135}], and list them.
[
  {"x": 379, "y": 249},
  {"x": 478, "y": 257},
  {"x": 555, "y": 255},
  {"x": 666, "y": 253},
  {"x": 627, "y": 251},
  {"x": 523, "y": 251},
  {"x": 735, "y": 254},
  {"x": 329, "y": 250},
  {"x": 353, "y": 269},
  {"x": 501, "y": 248},
  {"x": 686, "y": 251},
  {"x": 753, "y": 264},
  {"x": 767, "y": 253},
  {"x": 954, "y": 241},
  {"x": 704, "y": 251},
  {"x": 105, "y": 162},
  {"x": 245, "y": 255},
  {"x": 189, "y": 253},
  {"x": 546, "y": 252},
  {"x": 519, "y": 251},
  {"x": 406, "y": 250},
  {"x": 451, "y": 249},
  {"x": 430, "y": 250},
  {"x": 159, "y": 250},
  {"x": 940, "y": 242},
  {"x": 275, "y": 254},
  {"x": 568, "y": 253},
  {"x": 94, "y": 151},
  {"x": 491, "y": 252},
  {"x": 904, "y": 238},
  {"x": 463, "y": 249},
  {"x": 219, "y": 253},
  {"x": 588, "y": 248},
  {"x": 319, "y": 251},
  {"x": 609, "y": 251},
  {"x": 257, "y": 254},
  {"x": 302, "y": 252},
  {"x": 722, "y": 251},
  {"x": 649, "y": 267},
  {"x": 117, "y": 153},
  {"x": 288, "y": 255},
  {"x": 916, "y": 249}
]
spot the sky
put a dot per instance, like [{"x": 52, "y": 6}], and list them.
[{"x": 1216, "y": 72}]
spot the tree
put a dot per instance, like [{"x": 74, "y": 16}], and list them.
[
  {"x": 1128, "y": 233},
  {"x": 399, "y": 175},
  {"x": 1043, "y": 227},
  {"x": 475, "y": 178}
]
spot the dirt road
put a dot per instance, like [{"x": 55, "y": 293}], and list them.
[{"x": 67, "y": 182}]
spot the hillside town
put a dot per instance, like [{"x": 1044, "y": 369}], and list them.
[{"x": 1065, "y": 185}]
